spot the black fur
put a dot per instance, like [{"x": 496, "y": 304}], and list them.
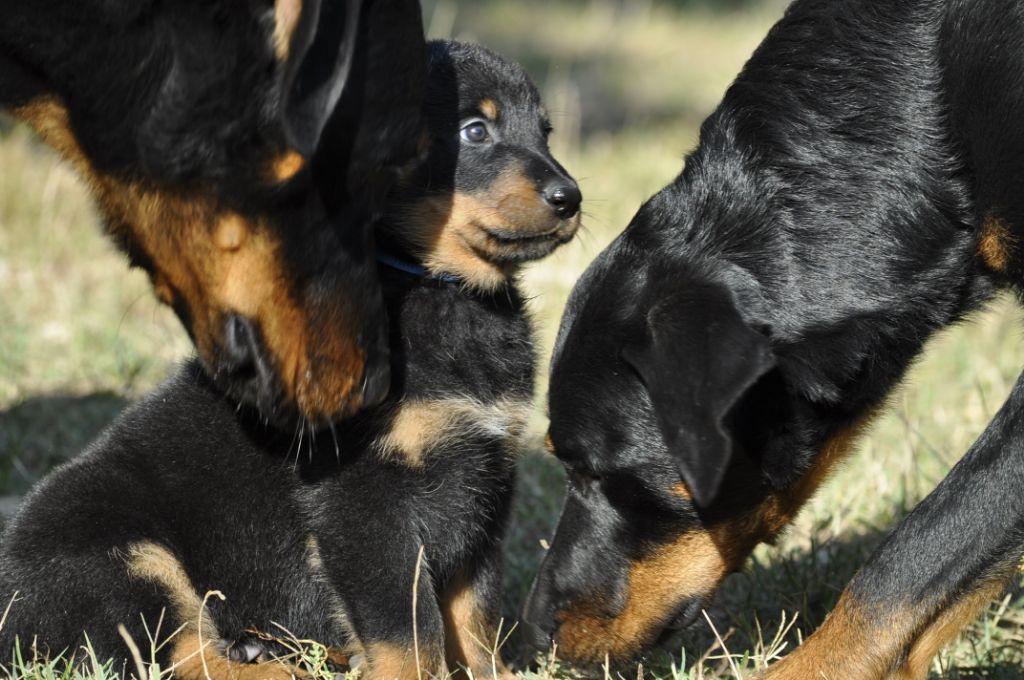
[
  {"x": 236, "y": 502},
  {"x": 832, "y": 219},
  {"x": 190, "y": 99}
]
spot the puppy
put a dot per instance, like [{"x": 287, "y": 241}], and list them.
[{"x": 380, "y": 534}]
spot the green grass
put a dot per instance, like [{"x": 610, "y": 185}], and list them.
[{"x": 627, "y": 83}]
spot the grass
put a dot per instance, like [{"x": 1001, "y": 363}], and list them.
[{"x": 80, "y": 335}]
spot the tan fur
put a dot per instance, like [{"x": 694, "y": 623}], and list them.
[
  {"x": 656, "y": 584},
  {"x": 995, "y": 246},
  {"x": 846, "y": 647},
  {"x": 692, "y": 566},
  {"x": 421, "y": 425},
  {"x": 286, "y": 166},
  {"x": 490, "y": 109},
  {"x": 469, "y": 636},
  {"x": 230, "y": 233},
  {"x": 148, "y": 561},
  {"x": 393, "y": 662},
  {"x": 334, "y": 604},
  {"x": 286, "y": 18},
  {"x": 946, "y": 626},
  {"x": 216, "y": 263},
  {"x": 199, "y": 660},
  {"x": 449, "y": 233},
  {"x": 781, "y": 509},
  {"x": 884, "y": 643}
]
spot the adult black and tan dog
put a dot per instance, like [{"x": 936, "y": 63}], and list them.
[
  {"x": 859, "y": 188},
  {"x": 318, "y": 536},
  {"x": 238, "y": 152}
]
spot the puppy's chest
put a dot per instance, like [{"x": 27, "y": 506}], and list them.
[{"x": 464, "y": 371}]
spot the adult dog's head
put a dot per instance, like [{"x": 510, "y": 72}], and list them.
[
  {"x": 669, "y": 413},
  {"x": 239, "y": 152}
]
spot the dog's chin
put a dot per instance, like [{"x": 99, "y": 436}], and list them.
[
  {"x": 685, "y": 617},
  {"x": 509, "y": 246}
]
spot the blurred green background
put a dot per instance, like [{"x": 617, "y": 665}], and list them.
[{"x": 627, "y": 83}]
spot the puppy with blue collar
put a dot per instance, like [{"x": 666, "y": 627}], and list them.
[{"x": 194, "y": 524}]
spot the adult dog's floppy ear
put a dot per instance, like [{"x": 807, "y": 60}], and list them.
[
  {"x": 319, "y": 52},
  {"x": 697, "y": 360}
]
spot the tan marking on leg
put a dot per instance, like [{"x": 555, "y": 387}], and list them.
[
  {"x": 386, "y": 661},
  {"x": 193, "y": 660},
  {"x": 286, "y": 18},
  {"x": 946, "y": 626},
  {"x": 851, "y": 645},
  {"x": 334, "y": 603},
  {"x": 859, "y": 644},
  {"x": 419, "y": 426},
  {"x": 996, "y": 244},
  {"x": 470, "y": 635},
  {"x": 490, "y": 109},
  {"x": 148, "y": 561}
]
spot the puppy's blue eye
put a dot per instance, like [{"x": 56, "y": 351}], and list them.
[{"x": 474, "y": 132}]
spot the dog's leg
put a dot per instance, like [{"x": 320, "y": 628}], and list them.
[
  {"x": 934, "y": 574},
  {"x": 390, "y": 604},
  {"x": 472, "y": 615}
]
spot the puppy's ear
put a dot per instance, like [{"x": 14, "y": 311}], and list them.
[
  {"x": 697, "y": 360},
  {"x": 317, "y": 38}
]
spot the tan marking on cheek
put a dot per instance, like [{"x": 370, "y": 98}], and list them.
[
  {"x": 490, "y": 109},
  {"x": 469, "y": 632},
  {"x": 996, "y": 244},
  {"x": 520, "y": 203},
  {"x": 549, "y": 444},
  {"x": 200, "y": 659},
  {"x": 444, "y": 233},
  {"x": 286, "y": 166},
  {"x": 692, "y": 566},
  {"x": 230, "y": 233},
  {"x": 286, "y": 18},
  {"x": 218, "y": 264},
  {"x": 148, "y": 561},
  {"x": 419, "y": 426}
]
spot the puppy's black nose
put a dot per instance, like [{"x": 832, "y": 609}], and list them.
[{"x": 564, "y": 197}]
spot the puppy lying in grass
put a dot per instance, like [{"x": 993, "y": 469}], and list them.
[{"x": 220, "y": 543}]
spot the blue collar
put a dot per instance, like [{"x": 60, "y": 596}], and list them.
[{"x": 413, "y": 268}]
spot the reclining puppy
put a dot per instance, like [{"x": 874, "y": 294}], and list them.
[
  {"x": 319, "y": 536},
  {"x": 238, "y": 152}
]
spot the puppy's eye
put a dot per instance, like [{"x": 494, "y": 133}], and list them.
[{"x": 475, "y": 132}]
